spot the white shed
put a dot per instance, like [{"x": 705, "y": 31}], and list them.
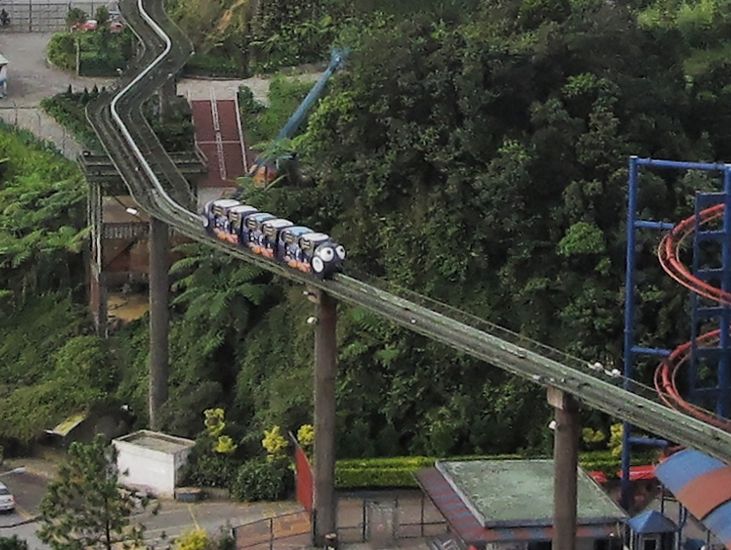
[{"x": 152, "y": 460}]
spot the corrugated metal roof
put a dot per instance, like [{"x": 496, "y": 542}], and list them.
[
  {"x": 464, "y": 524},
  {"x": 700, "y": 483},
  {"x": 651, "y": 522}
]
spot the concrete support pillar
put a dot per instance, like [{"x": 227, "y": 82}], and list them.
[
  {"x": 324, "y": 451},
  {"x": 159, "y": 321},
  {"x": 566, "y": 462},
  {"x": 98, "y": 299}
]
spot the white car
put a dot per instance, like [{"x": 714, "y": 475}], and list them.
[{"x": 7, "y": 502}]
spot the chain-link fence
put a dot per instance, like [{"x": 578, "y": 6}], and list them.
[
  {"x": 34, "y": 16},
  {"x": 379, "y": 519},
  {"x": 35, "y": 121}
]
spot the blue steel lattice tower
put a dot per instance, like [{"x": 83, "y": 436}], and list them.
[{"x": 708, "y": 381}]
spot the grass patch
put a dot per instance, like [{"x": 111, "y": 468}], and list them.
[{"x": 263, "y": 123}]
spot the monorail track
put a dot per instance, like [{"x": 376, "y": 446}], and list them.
[{"x": 129, "y": 141}]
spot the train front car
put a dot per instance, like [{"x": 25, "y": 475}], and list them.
[
  {"x": 324, "y": 256},
  {"x": 271, "y": 230},
  {"x": 216, "y": 213},
  {"x": 236, "y": 217}
]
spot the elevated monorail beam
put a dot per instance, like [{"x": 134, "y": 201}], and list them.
[{"x": 152, "y": 195}]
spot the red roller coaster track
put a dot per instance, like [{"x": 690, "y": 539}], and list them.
[{"x": 667, "y": 372}]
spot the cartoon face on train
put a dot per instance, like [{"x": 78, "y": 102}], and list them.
[{"x": 324, "y": 255}]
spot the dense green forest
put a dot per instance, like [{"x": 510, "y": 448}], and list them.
[{"x": 473, "y": 152}]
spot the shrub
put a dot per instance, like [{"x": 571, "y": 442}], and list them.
[
  {"x": 306, "y": 436},
  {"x": 216, "y": 65},
  {"x": 261, "y": 479},
  {"x": 362, "y": 473},
  {"x": 209, "y": 470},
  {"x": 274, "y": 443},
  {"x": 13, "y": 543},
  {"x": 197, "y": 539},
  {"x": 61, "y": 50}
]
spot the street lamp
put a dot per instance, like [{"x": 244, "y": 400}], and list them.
[{"x": 18, "y": 470}]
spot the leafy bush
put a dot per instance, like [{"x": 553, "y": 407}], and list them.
[
  {"x": 68, "y": 109},
  {"x": 101, "y": 53},
  {"x": 261, "y": 479},
  {"x": 13, "y": 543},
  {"x": 211, "y": 470},
  {"x": 61, "y": 51},
  {"x": 196, "y": 539},
  {"x": 215, "y": 65},
  {"x": 363, "y": 473}
]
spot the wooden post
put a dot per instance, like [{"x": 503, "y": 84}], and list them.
[
  {"x": 159, "y": 322},
  {"x": 566, "y": 463},
  {"x": 324, "y": 451}
]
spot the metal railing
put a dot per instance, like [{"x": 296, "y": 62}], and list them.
[
  {"x": 375, "y": 518},
  {"x": 31, "y": 16}
]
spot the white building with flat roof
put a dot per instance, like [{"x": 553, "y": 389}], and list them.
[{"x": 152, "y": 460}]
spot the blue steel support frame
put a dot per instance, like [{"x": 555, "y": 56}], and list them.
[
  {"x": 629, "y": 317},
  {"x": 630, "y": 350},
  {"x": 724, "y": 367}
]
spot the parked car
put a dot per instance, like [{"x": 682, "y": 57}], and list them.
[
  {"x": 88, "y": 25},
  {"x": 7, "y": 501}
]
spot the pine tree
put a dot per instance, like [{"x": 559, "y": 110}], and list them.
[{"x": 85, "y": 506}]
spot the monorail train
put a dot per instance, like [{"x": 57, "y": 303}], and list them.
[{"x": 275, "y": 238}]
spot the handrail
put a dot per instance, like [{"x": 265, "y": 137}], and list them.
[{"x": 125, "y": 131}]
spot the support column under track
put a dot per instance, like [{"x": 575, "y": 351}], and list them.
[
  {"x": 324, "y": 451},
  {"x": 159, "y": 319},
  {"x": 566, "y": 463}
]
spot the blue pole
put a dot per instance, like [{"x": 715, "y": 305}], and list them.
[
  {"x": 629, "y": 305},
  {"x": 724, "y": 368}
]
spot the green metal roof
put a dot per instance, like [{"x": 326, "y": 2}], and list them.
[{"x": 519, "y": 493}]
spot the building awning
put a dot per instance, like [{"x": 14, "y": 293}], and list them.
[
  {"x": 65, "y": 427},
  {"x": 651, "y": 522},
  {"x": 703, "y": 485},
  {"x": 637, "y": 473},
  {"x": 464, "y": 524}
]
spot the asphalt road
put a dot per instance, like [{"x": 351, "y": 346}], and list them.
[
  {"x": 171, "y": 520},
  {"x": 28, "y": 490}
]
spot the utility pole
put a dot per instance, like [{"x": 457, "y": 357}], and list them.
[
  {"x": 324, "y": 451},
  {"x": 159, "y": 321},
  {"x": 566, "y": 464}
]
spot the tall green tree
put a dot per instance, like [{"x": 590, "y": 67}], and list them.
[{"x": 85, "y": 506}]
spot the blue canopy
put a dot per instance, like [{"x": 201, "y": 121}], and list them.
[{"x": 651, "y": 522}]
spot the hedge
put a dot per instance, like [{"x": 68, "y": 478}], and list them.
[
  {"x": 215, "y": 65},
  {"x": 362, "y": 473}
]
